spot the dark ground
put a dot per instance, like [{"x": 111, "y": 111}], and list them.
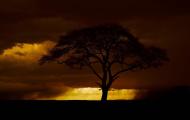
[
  {"x": 172, "y": 102},
  {"x": 94, "y": 109}
]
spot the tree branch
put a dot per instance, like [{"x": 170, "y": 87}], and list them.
[
  {"x": 124, "y": 70},
  {"x": 93, "y": 55},
  {"x": 94, "y": 71},
  {"x": 60, "y": 62}
]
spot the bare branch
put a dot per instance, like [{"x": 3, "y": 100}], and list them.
[
  {"x": 60, "y": 62},
  {"x": 116, "y": 77},
  {"x": 93, "y": 55},
  {"x": 124, "y": 70},
  {"x": 94, "y": 71}
]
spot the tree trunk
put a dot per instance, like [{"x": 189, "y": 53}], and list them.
[{"x": 104, "y": 94}]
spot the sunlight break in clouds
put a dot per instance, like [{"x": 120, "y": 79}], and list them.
[
  {"x": 95, "y": 94},
  {"x": 26, "y": 52}
]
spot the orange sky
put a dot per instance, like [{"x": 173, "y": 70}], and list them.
[
  {"x": 30, "y": 27},
  {"x": 24, "y": 54},
  {"x": 24, "y": 78},
  {"x": 95, "y": 94}
]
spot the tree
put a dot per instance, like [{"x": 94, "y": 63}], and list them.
[{"x": 107, "y": 50}]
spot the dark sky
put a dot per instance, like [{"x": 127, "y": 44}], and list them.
[{"x": 163, "y": 23}]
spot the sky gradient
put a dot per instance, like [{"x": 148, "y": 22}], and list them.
[{"x": 29, "y": 28}]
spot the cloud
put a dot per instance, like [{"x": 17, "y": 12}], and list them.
[
  {"x": 30, "y": 21},
  {"x": 25, "y": 53},
  {"x": 26, "y": 24},
  {"x": 19, "y": 78},
  {"x": 85, "y": 8},
  {"x": 25, "y": 90},
  {"x": 34, "y": 30}
]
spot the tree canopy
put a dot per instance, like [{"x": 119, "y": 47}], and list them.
[{"x": 105, "y": 46}]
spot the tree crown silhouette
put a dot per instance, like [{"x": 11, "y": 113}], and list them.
[{"x": 108, "y": 50}]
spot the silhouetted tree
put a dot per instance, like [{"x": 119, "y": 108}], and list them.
[{"x": 107, "y": 50}]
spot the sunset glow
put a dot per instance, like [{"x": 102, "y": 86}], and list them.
[
  {"x": 95, "y": 94},
  {"x": 26, "y": 52}
]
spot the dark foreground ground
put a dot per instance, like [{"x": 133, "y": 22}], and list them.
[
  {"x": 175, "y": 102},
  {"x": 95, "y": 109}
]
